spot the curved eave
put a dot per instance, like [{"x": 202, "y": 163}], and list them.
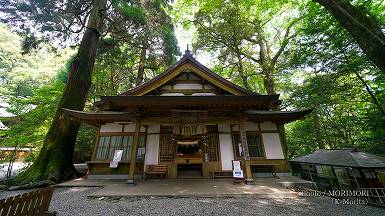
[
  {"x": 278, "y": 116},
  {"x": 261, "y": 101},
  {"x": 97, "y": 118}
]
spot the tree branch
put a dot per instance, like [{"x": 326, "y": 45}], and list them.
[{"x": 285, "y": 41}]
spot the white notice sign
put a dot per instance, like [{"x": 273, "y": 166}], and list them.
[
  {"x": 117, "y": 157},
  {"x": 238, "y": 174},
  {"x": 237, "y": 169},
  {"x": 237, "y": 165}
]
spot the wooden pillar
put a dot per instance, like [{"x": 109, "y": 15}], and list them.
[
  {"x": 96, "y": 144},
  {"x": 246, "y": 157},
  {"x": 134, "y": 153}
]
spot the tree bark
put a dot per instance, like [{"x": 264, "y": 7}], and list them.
[
  {"x": 268, "y": 81},
  {"x": 362, "y": 27},
  {"x": 242, "y": 72},
  {"x": 55, "y": 160},
  {"x": 317, "y": 130},
  {"x": 142, "y": 61}
]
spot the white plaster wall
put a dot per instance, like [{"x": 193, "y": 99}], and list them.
[
  {"x": 272, "y": 144},
  {"x": 131, "y": 128},
  {"x": 153, "y": 129},
  {"x": 250, "y": 126},
  {"x": 224, "y": 128},
  {"x": 111, "y": 127},
  {"x": 227, "y": 153},
  {"x": 187, "y": 86},
  {"x": 203, "y": 94},
  {"x": 172, "y": 94},
  {"x": 152, "y": 149},
  {"x": 267, "y": 125}
]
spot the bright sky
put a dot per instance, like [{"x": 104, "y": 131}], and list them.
[{"x": 185, "y": 37}]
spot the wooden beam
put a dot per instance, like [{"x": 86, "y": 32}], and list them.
[
  {"x": 134, "y": 152},
  {"x": 246, "y": 157},
  {"x": 186, "y": 82},
  {"x": 188, "y": 91},
  {"x": 170, "y": 120}
]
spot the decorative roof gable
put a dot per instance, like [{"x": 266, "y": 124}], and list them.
[{"x": 188, "y": 65}]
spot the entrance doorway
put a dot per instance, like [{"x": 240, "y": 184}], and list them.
[{"x": 189, "y": 158}]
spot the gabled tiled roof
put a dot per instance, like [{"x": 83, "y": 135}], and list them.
[{"x": 342, "y": 157}]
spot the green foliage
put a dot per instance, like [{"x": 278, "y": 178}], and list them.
[
  {"x": 325, "y": 66},
  {"x": 34, "y": 115},
  {"x": 30, "y": 87},
  {"x": 244, "y": 36},
  {"x": 170, "y": 47},
  {"x": 149, "y": 30},
  {"x": 84, "y": 143},
  {"x": 321, "y": 66},
  {"x": 57, "y": 22},
  {"x": 300, "y": 138},
  {"x": 114, "y": 71},
  {"x": 21, "y": 73},
  {"x": 62, "y": 74},
  {"x": 131, "y": 11}
]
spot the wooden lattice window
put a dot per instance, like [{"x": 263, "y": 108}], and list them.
[
  {"x": 254, "y": 145},
  {"x": 167, "y": 148},
  {"x": 109, "y": 143},
  {"x": 211, "y": 147}
]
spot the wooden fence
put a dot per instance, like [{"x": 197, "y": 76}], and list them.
[{"x": 32, "y": 203}]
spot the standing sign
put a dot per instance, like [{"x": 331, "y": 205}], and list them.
[
  {"x": 237, "y": 170},
  {"x": 117, "y": 157}
]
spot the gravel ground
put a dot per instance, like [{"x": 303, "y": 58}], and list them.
[{"x": 74, "y": 201}]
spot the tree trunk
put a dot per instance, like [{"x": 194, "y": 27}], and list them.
[
  {"x": 362, "y": 27},
  {"x": 142, "y": 61},
  {"x": 55, "y": 158},
  {"x": 317, "y": 130},
  {"x": 268, "y": 82},
  {"x": 241, "y": 72}
]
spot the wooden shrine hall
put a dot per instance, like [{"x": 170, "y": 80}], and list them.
[{"x": 191, "y": 120}]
